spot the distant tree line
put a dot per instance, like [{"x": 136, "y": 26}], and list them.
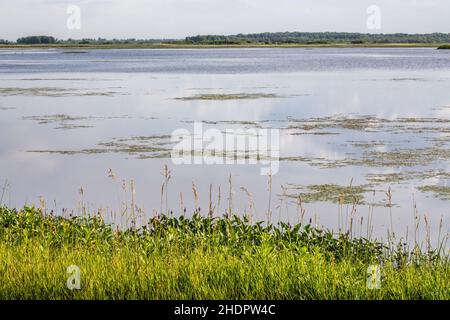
[
  {"x": 319, "y": 38},
  {"x": 36, "y": 40},
  {"x": 87, "y": 41},
  {"x": 256, "y": 38}
]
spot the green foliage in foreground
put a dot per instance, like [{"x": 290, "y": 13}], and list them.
[{"x": 203, "y": 258}]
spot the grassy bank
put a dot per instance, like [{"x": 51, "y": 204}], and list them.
[
  {"x": 445, "y": 46},
  {"x": 213, "y": 46},
  {"x": 204, "y": 258}
]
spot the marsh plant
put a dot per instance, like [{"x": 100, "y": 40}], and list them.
[
  {"x": 211, "y": 255},
  {"x": 204, "y": 258}
]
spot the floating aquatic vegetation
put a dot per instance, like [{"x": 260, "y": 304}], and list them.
[
  {"x": 372, "y": 158},
  {"x": 367, "y": 144},
  {"x": 403, "y": 176},
  {"x": 330, "y": 193},
  {"x": 316, "y": 161},
  {"x": 386, "y": 178},
  {"x": 408, "y": 79},
  {"x": 376, "y": 153},
  {"x": 314, "y": 133},
  {"x": 140, "y": 146},
  {"x": 440, "y": 141},
  {"x": 54, "y": 118},
  {"x": 68, "y": 126},
  {"x": 140, "y": 152},
  {"x": 70, "y": 152},
  {"x": 335, "y": 125},
  {"x": 231, "y": 96},
  {"x": 256, "y": 124},
  {"x": 155, "y": 146},
  {"x": 371, "y": 124},
  {"x": 57, "y": 92},
  {"x": 6, "y": 108},
  {"x": 363, "y": 123},
  {"x": 63, "y": 121},
  {"x": 440, "y": 192},
  {"x": 404, "y": 157}
]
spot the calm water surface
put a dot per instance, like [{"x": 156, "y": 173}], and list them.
[{"x": 372, "y": 118}]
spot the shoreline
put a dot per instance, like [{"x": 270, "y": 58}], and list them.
[{"x": 219, "y": 46}]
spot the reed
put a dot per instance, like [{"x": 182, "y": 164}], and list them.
[
  {"x": 216, "y": 255},
  {"x": 204, "y": 258}
]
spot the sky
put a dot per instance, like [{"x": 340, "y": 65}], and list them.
[{"x": 146, "y": 19}]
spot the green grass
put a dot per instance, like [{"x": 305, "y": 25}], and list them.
[
  {"x": 445, "y": 46},
  {"x": 204, "y": 258}
]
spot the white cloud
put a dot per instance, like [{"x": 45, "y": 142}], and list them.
[{"x": 178, "y": 18}]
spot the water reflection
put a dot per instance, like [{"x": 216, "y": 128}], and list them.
[{"x": 119, "y": 95}]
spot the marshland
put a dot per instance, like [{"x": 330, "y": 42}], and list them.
[{"x": 87, "y": 177}]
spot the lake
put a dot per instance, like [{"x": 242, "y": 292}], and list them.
[{"x": 364, "y": 134}]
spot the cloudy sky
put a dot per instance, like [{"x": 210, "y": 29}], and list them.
[{"x": 180, "y": 18}]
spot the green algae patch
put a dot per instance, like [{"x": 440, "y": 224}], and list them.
[
  {"x": 56, "y": 92},
  {"x": 330, "y": 193},
  {"x": 233, "y": 96},
  {"x": 440, "y": 192}
]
